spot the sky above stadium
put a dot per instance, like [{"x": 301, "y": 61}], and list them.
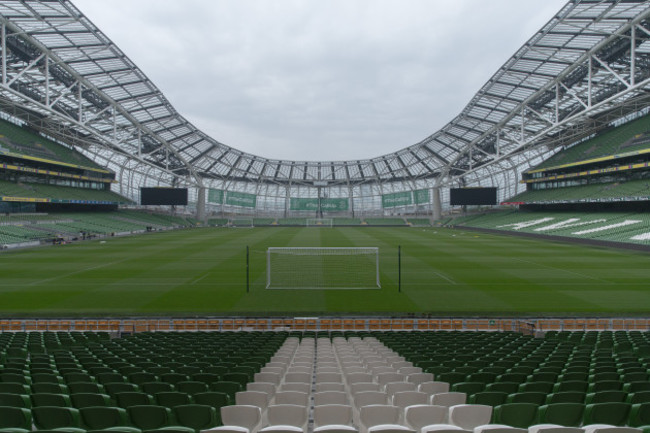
[{"x": 319, "y": 80}]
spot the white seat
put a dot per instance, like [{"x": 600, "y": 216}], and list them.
[
  {"x": 402, "y": 364},
  {"x": 358, "y": 377},
  {"x": 358, "y": 387},
  {"x": 375, "y": 370},
  {"x": 278, "y": 370},
  {"x": 384, "y": 378},
  {"x": 377, "y": 414},
  {"x": 390, "y": 428},
  {"x": 367, "y": 398},
  {"x": 281, "y": 429},
  {"x": 419, "y": 378},
  {"x": 409, "y": 371},
  {"x": 292, "y": 397},
  {"x": 298, "y": 374},
  {"x": 287, "y": 414},
  {"x": 449, "y": 398},
  {"x": 227, "y": 429},
  {"x": 469, "y": 416},
  {"x": 393, "y": 387},
  {"x": 404, "y": 399},
  {"x": 334, "y": 428},
  {"x": 418, "y": 416},
  {"x": 252, "y": 398},
  {"x": 328, "y": 377},
  {"x": 330, "y": 397},
  {"x": 296, "y": 386},
  {"x": 268, "y": 377},
  {"x": 433, "y": 387},
  {"x": 329, "y": 386},
  {"x": 245, "y": 416},
  {"x": 266, "y": 387},
  {"x": 332, "y": 414}
]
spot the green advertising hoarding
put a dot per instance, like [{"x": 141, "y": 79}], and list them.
[
  {"x": 215, "y": 196},
  {"x": 421, "y": 196},
  {"x": 326, "y": 204},
  {"x": 397, "y": 199},
  {"x": 241, "y": 199}
]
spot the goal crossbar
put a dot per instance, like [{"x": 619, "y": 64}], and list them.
[{"x": 322, "y": 268}]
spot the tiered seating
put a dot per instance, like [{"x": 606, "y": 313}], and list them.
[
  {"x": 419, "y": 221},
  {"x": 384, "y": 221},
  {"x": 292, "y": 221},
  {"x": 20, "y": 140},
  {"x": 346, "y": 221},
  {"x": 40, "y": 190},
  {"x": 629, "y": 227},
  {"x": 614, "y": 141},
  {"x": 632, "y": 190},
  {"x": 85, "y": 381},
  {"x": 263, "y": 221}
]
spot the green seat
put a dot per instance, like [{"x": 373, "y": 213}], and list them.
[
  {"x": 89, "y": 399},
  {"x": 49, "y": 387},
  {"x": 15, "y": 418},
  {"x": 171, "y": 399},
  {"x": 77, "y": 377},
  {"x": 228, "y": 387},
  {"x": 155, "y": 387},
  {"x": 605, "y": 385},
  {"x": 535, "y": 397},
  {"x": 488, "y": 398},
  {"x": 468, "y": 388},
  {"x": 102, "y": 417},
  {"x": 81, "y": 387},
  {"x": 539, "y": 386},
  {"x": 636, "y": 386},
  {"x": 605, "y": 397},
  {"x": 639, "y": 415},
  {"x": 451, "y": 377},
  {"x": 15, "y": 400},
  {"x": 566, "y": 397},
  {"x": 606, "y": 413},
  {"x": 173, "y": 378},
  {"x": 507, "y": 387},
  {"x": 206, "y": 378},
  {"x": 46, "y": 378},
  {"x": 14, "y": 388},
  {"x": 196, "y": 416},
  {"x": 191, "y": 387},
  {"x": 142, "y": 377},
  {"x": 215, "y": 399},
  {"x": 149, "y": 417},
  {"x": 53, "y": 417},
  {"x": 15, "y": 378},
  {"x": 638, "y": 397},
  {"x": 113, "y": 388},
  {"x": 132, "y": 398},
  {"x": 49, "y": 399},
  {"x": 109, "y": 377},
  {"x": 565, "y": 414},
  {"x": 571, "y": 385},
  {"x": 521, "y": 415}
]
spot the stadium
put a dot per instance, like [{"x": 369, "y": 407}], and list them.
[{"x": 491, "y": 277}]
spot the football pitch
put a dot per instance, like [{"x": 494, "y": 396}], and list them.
[{"x": 203, "y": 272}]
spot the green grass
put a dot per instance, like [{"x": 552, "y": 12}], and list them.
[{"x": 202, "y": 272}]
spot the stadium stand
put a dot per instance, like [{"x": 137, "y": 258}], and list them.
[
  {"x": 384, "y": 221},
  {"x": 623, "y": 227},
  {"x": 130, "y": 385}
]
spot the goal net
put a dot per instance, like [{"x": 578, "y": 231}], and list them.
[
  {"x": 319, "y": 222},
  {"x": 241, "y": 222},
  {"x": 322, "y": 268}
]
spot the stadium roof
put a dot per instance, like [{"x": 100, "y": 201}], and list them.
[{"x": 588, "y": 65}]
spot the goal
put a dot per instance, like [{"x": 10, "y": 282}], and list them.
[
  {"x": 241, "y": 223},
  {"x": 320, "y": 222},
  {"x": 322, "y": 268}
]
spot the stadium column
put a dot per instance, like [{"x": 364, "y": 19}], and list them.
[
  {"x": 437, "y": 212},
  {"x": 200, "y": 204}
]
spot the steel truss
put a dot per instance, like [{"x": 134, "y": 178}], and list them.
[{"x": 588, "y": 67}]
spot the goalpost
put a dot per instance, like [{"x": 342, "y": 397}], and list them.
[
  {"x": 241, "y": 223},
  {"x": 322, "y": 268},
  {"x": 320, "y": 222}
]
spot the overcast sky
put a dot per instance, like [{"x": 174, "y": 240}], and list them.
[{"x": 319, "y": 80}]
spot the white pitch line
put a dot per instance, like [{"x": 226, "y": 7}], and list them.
[
  {"x": 563, "y": 270},
  {"x": 446, "y": 278},
  {"x": 197, "y": 280},
  {"x": 76, "y": 272}
]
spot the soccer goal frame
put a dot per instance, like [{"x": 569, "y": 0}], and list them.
[
  {"x": 246, "y": 223},
  {"x": 323, "y": 268},
  {"x": 320, "y": 222}
]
